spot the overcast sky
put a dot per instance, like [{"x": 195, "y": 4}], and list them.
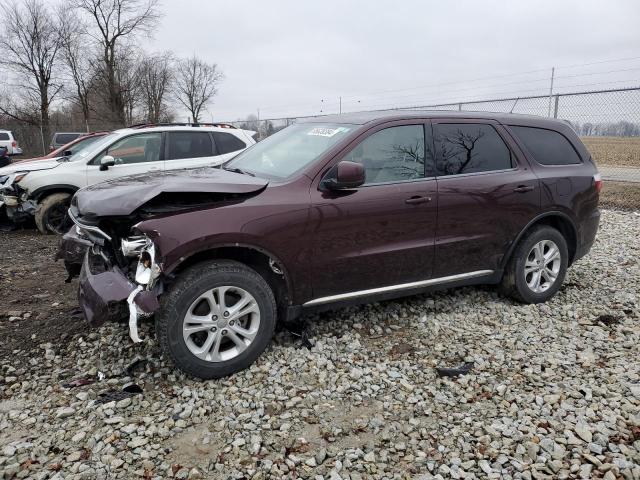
[{"x": 298, "y": 57}]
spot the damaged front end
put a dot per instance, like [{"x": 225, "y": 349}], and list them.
[
  {"x": 119, "y": 261},
  {"x": 15, "y": 199},
  {"x": 118, "y": 278}
]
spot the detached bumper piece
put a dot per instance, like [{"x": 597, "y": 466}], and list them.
[
  {"x": 106, "y": 295},
  {"x": 72, "y": 250}
]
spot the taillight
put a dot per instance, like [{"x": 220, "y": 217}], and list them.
[
  {"x": 597, "y": 180},
  {"x": 14, "y": 144}
]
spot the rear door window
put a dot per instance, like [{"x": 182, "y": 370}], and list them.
[
  {"x": 546, "y": 146},
  {"x": 394, "y": 154},
  {"x": 470, "y": 148},
  {"x": 4, "y": 136},
  {"x": 227, "y": 142},
  {"x": 189, "y": 145}
]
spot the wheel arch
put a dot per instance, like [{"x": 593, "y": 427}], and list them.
[
  {"x": 39, "y": 193},
  {"x": 558, "y": 220},
  {"x": 254, "y": 257}
]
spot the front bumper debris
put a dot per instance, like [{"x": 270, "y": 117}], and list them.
[
  {"x": 72, "y": 250},
  {"x": 17, "y": 210},
  {"x": 109, "y": 295}
]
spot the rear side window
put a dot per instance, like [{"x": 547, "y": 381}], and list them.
[
  {"x": 469, "y": 148},
  {"x": 4, "y": 136},
  {"x": 546, "y": 146},
  {"x": 227, "y": 142},
  {"x": 189, "y": 145},
  {"x": 64, "y": 138}
]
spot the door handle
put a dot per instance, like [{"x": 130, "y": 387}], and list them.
[
  {"x": 523, "y": 188},
  {"x": 417, "y": 200}
]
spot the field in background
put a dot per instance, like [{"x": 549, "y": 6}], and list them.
[
  {"x": 622, "y": 195},
  {"x": 617, "y": 151}
]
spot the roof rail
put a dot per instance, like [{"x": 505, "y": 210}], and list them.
[{"x": 171, "y": 124}]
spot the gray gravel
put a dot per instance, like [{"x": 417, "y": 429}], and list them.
[{"x": 554, "y": 392}]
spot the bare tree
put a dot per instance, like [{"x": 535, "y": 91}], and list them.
[
  {"x": 458, "y": 150},
  {"x": 80, "y": 62},
  {"x": 156, "y": 76},
  {"x": 117, "y": 21},
  {"x": 196, "y": 84},
  {"x": 29, "y": 48},
  {"x": 128, "y": 78}
]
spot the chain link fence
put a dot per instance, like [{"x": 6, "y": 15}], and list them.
[{"x": 607, "y": 120}]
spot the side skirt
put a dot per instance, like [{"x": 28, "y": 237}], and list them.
[{"x": 392, "y": 291}]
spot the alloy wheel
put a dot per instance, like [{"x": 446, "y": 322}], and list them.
[
  {"x": 221, "y": 323},
  {"x": 542, "y": 266}
]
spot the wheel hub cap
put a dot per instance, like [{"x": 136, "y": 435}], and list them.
[
  {"x": 221, "y": 323},
  {"x": 542, "y": 266}
]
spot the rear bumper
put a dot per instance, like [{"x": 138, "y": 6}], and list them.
[
  {"x": 587, "y": 234},
  {"x": 102, "y": 296}
]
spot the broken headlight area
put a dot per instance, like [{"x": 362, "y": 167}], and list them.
[
  {"x": 16, "y": 200},
  {"x": 120, "y": 276},
  {"x": 141, "y": 247},
  {"x": 109, "y": 288}
]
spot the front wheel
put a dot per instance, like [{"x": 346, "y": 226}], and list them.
[
  {"x": 538, "y": 266},
  {"x": 51, "y": 214},
  {"x": 216, "y": 319}
]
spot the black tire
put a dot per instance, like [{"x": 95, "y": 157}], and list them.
[
  {"x": 49, "y": 209},
  {"x": 514, "y": 282},
  {"x": 190, "y": 285}
]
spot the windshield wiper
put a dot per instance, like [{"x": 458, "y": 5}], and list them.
[{"x": 239, "y": 170}]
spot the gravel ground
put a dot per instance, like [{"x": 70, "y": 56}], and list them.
[{"x": 554, "y": 391}]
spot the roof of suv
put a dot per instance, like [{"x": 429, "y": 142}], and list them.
[
  {"x": 165, "y": 127},
  {"x": 361, "y": 118}
]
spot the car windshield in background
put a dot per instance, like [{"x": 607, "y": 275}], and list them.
[
  {"x": 284, "y": 153},
  {"x": 64, "y": 138},
  {"x": 90, "y": 148}
]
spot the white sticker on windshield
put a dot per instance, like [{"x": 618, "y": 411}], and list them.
[{"x": 326, "y": 132}]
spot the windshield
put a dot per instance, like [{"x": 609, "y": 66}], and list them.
[
  {"x": 89, "y": 149},
  {"x": 291, "y": 149}
]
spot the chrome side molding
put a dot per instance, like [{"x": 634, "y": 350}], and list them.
[{"x": 394, "y": 288}]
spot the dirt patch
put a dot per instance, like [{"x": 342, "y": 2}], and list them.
[
  {"x": 617, "y": 151},
  {"x": 622, "y": 195},
  {"x": 36, "y": 306}
]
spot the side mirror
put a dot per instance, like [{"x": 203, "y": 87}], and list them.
[
  {"x": 106, "y": 162},
  {"x": 67, "y": 153},
  {"x": 343, "y": 176}
]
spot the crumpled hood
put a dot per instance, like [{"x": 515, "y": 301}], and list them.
[
  {"x": 29, "y": 166},
  {"x": 123, "y": 195}
]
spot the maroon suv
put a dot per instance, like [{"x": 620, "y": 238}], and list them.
[{"x": 333, "y": 211}]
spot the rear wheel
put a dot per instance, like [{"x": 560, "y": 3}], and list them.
[
  {"x": 51, "y": 214},
  {"x": 216, "y": 319},
  {"x": 538, "y": 266}
]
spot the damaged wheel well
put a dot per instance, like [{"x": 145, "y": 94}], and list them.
[{"x": 260, "y": 261}]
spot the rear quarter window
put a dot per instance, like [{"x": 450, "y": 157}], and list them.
[
  {"x": 227, "y": 142},
  {"x": 547, "y": 146},
  {"x": 4, "y": 136}
]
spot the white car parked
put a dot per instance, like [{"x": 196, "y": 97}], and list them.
[
  {"x": 8, "y": 140},
  {"x": 44, "y": 188}
]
